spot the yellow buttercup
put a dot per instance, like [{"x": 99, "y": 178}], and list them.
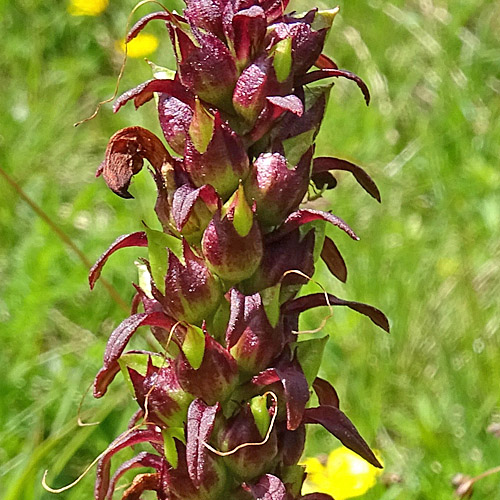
[
  {"x": 87, "y": 7},
  {"x": 344, "y": 475}
]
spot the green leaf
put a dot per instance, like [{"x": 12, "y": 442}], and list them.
[
  {"x": 271, "y": 301},
  {"x": 282, "y": 61},
  {"x": 296, "y": 147},
  {"x": 158, "y": 242},
  {"x": 310, "y": 353},
  {"x": 193, "y": 346},
  {"x": 201, "y": 128},
  {"x": 258, "y": 406},
  {"x": 243, "y": 215}
]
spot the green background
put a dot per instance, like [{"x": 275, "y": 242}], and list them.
[{"x": 429, "y": 256}]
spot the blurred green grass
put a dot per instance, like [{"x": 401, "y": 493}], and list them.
[{"x": 429, "y": 255}]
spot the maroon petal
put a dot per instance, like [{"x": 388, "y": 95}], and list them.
[
  {"x": 269, "y": 487},
  {"x": 119, "y": 340},
  {"x": 303, "y": 216},
  {"x": 326, "y": 164},
  {"x": 324, "y": 62},
  {"x": 334, "y": 421},
  {"x": 326, "y": 393},
  {"x": 138, "y": 239},
  {"x": 125, "y": 440},
  {"x": 334, "y": 260},
  {"x": 200, "y": 423},
  {"x": 276, "y": 107},
  {"x": 314, "y": 76},
  {"x": 175, "y": 118},
  {"x": 248, "y": 31},
  {"x": 206, "y": 14},
  {"x": 274, "y": 8},
  {"x": 143, "y": 22},
  {"x": 302, "y": 304},
  {"x": 144, "y": 93},
  {"x": 295, "y": 388},
  {"x": 144, "y": 459}
]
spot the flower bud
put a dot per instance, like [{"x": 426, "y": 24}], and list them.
[
  {"x": 276, "y": 188},
  {"x": 308, "y": 35},
  {"x": 216, "y": 377},
  {"x": 255, "y": 84},
  {"x": 206, "y": 66},
  {"x": 250, "y": 337},
  {"x": 193, "y": 209},
  {"x": 229, "y": 255},
  {"x": 222, "y": 163},
  {"x": 191, "y": 291},
  {"x": 167, "y": 402},
  {"x": 251, "y": 461},
  {"x": 175, "y": 117},
  {"x": 181, "y": 487}
]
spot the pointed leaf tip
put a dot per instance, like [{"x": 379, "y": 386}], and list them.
[{"x": 336, "y": 422}]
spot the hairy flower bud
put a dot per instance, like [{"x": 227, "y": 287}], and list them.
[
  {"x": 216, "y": 377},
  {"x": 222, "y": 164},
  {"x": 229, "y": 255},
  {"x": 249, "y": 462},
  {"x": 276, "y": 187},
  {"x": 167, "y": 402},
  {"x": 192, "y": 293}
]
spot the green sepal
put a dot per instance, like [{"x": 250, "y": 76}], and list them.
[
  {"x": 271, "y": 301},
  {"x": 258, "y": 407},
  {"x": 144, "y": 278},
  {"x": 217, "y": 324},
  {"x": 161, "y": 72},
  {"x": 193, "y": 346},
  {"x": 310, "y": 353},
  {"x": 243, "y": 215},
  {"x": 169, "y": 444},
  {"x": 138, "y": 362},
  {"x": 324, "y": 19},
  {"x": 201, "y": 129},
  {"x": 282, "y": 61},
  {"x": 295, "y": 147},
  {"x": 158, "y": 242},
  {"x": 319, "y": 227}
]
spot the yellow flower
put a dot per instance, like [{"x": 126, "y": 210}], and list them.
[
  {"x": 87, "y": 7},
  {"x": 141, "y": 46},
  {"x": 345, "y": 475}
]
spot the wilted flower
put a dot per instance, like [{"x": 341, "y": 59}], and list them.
[{"x": 344, "y": 475}]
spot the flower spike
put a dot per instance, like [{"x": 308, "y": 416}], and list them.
[{"x": 220, "y": 289}]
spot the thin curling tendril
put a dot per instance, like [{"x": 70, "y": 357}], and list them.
[
  {"x": 327, "y": 299},
  {"x": 245, "y": 445},
  {"x": 79, "y": 414},
  {"x": 124, "y": 62},
  {"x": 143, "y": 422}
]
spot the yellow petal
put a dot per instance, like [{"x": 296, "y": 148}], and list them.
[
  {"x": 87, "y": 7},
  {"x": 142, "y": 45},
  {"x": 345, "y": 475}
]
